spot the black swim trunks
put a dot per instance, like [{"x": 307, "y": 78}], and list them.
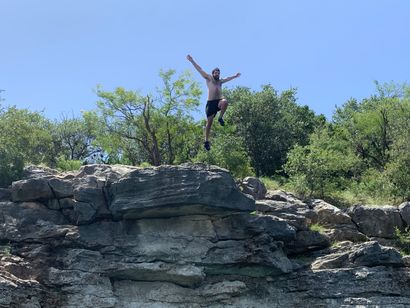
[{"x": 212, "y": 107}]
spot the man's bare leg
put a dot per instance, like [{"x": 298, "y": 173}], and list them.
[
  {"x": 223, "y": 105},
  {"x": 209, "y": 122}
]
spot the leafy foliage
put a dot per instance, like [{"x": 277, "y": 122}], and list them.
[
  {"x": 24, "y": 138},
  {"x": 403, "y": 240},
  {"x": 318, "y": 228},
  {"x": 74, "y": 138},
  {"x": 364, "y": 150},
  {"x": 322, "y": 166},
  {"x": 135, "y": 128},
  {"x": 227, "y": 152},
  {"x": 362, "y": 154},
  {"x": 270, "y": 124},
  {"x": 68, "y": 164}
]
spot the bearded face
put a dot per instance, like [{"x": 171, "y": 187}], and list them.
[{"x": 215, "y": 74}]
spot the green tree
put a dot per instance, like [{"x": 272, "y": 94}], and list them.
[
  {"x": 177, "y": 98},
  {"x": 397, "y": 169},
  {"x": 155, "y": 129},
  {"x": 11, "y": 165},
  {"x": 365, "y": 149},
  {"x": 369, "y": 130},
  {"x": 373, "y": 125},
  {"x": 74, "y": 138},
  {"x": 323, "y": 166},
  {"x": 228, "y": 152},
  {"x": 24, "y": 138},
  {"x": 270, "y": 125}
]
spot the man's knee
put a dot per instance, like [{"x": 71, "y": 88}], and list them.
[
  {"x": 223, "y": 103},
  {"x": 209, "y": 120}
]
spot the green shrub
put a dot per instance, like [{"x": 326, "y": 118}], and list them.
[
  {"x": 5, "y": 250},
  {"x": 11, "y": 167},
  {"x": 227, "y": 151},
  {"x": 398, "y": 176},
  {"x": 318, "y": 228},
  {"x": 272, "y": 183},
  {"x": 403, "y": 240},
  {"x": 373, "y": 187},
  {"x": 67, "y": 164}
]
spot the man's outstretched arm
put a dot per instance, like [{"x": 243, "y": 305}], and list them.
[
  {"x": 230, "y": 78},
  {"x": 198, "y": 68}
]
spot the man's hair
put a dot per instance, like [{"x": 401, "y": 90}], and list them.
[{"x": 216, "y": 69}]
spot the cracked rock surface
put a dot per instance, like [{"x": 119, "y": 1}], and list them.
[{"x": 187, "y": 236}]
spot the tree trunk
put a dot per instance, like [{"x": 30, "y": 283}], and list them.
[{"x": 154, "y": 151}]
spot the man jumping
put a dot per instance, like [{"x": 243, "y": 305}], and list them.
[{"x": 216, "y": 102}]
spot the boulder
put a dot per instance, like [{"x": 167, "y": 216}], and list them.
[
  {"x": 30, "y": 222},
  {"x": 330, "y": 215},
  {"x": 307, "y": 241},
  {"x": 338, "y": 225},
  {"x": 254, "y": 187},
  {"x": 41, "y": 183},
  {"x": 297, "y": 214},
  {"x": 340, "y": 233},
  {"x": 404, "y": 210},
  {"x": 241, "y": 226},
  {"x": 62, "y": 188},
  {"x": 368, "y": 254},
  {"x": 32, "y": 172},
  {"x": 90, "y": 197},
  {"x": 175, "y": 191},
  {"x": 108, "y": 173},
  {"x": 280, "y": 195},
  {"x": 377, "y": 221},
  {"x": 31, "y": 190}
]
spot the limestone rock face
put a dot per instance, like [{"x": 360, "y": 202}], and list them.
[
  {"x": 339, "y": 225},
  {"x": 175, "y": 191},
  {"x": 368, "y": 254},
  {"x": 184, "y": 236},
  {"x": 297, "y": 214},
  {"x": 5, "y": 194},
  {"x": 404, "y": 209},
  {"x": 254, "y": 187},
  {"x": 33, "y": 189},
  {"x": 378, "y": 221}
]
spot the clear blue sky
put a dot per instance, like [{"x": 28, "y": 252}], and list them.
[{"x": 54, "y": 53}]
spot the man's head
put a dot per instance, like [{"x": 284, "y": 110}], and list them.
[{"x": 215, "y": 73}]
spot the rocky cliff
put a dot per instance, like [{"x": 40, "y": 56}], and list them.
[{"x": 188, "y": 236}]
